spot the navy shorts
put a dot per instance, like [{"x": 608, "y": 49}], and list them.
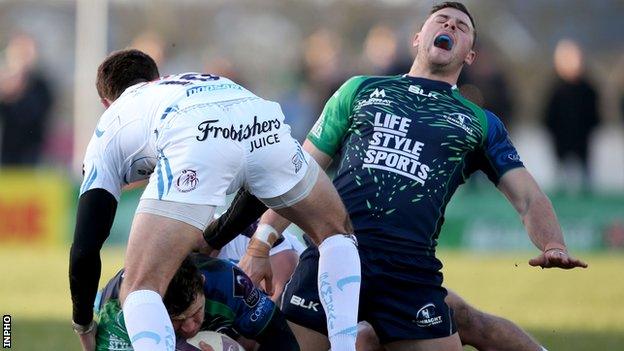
[{"x": 401, "y": 296}]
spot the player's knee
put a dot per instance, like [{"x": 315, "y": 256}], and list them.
[
  {"x": 468, "y": 320},
  {"x": 341, "y": 225},
  {"x": 136, "y": 283},
  {"x": 476, "y": 328},
  {"x": 366, "y": 338}
]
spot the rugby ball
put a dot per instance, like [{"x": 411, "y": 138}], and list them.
[{"x": 218, "y": 342}]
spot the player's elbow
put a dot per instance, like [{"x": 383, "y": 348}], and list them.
[{"x": 82, "y": 257}]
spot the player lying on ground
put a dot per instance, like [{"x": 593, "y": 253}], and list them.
[
  {"x": 205, "y": 294},
  {"x": 197, "y": 137},
  {"x": 406, "y": 143}
]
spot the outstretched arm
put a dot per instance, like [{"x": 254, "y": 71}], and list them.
[
  {"x": 96, "y": 211},
  {"x": 539, "y": 219}
]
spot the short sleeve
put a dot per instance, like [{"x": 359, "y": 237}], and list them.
[
  {"x": 500, "y": 153},
  {"x": 100, "y": 170},
  {"x": 331, "y": 127}
]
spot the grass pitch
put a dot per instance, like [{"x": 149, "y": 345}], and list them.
[{"x": 565, "y": 310}]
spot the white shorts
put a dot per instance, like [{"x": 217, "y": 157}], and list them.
[{"x": 206, "y": 150}]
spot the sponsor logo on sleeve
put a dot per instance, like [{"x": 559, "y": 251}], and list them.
[{"x": 317, "y": 130}]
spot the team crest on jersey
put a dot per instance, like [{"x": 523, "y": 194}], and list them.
[
  {"x": 427, "y": 316},
  {"x": 187, "y": 181},
  {"x": 459, "y": 120}
]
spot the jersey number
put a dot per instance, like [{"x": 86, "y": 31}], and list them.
[{"x": 191, "y": 77}]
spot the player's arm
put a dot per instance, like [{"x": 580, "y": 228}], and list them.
[
  {"x": 97, "y": 204},
  {"x": 502, "y": 165},
  {"x": 244, "y": 210},
  {"x": 539, "y": 219},
  {"x": 283, "y": 265},
  {"x": 96, "y": 211}
]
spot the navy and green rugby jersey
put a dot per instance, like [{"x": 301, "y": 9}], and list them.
[
  {"x": 406, "y": 144},
  {"x": 233, "y": 305}
]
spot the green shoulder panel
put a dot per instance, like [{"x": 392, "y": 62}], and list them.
[{"x": 331, "y": 127}]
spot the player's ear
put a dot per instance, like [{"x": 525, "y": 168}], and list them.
[
  {"x": 472, "y": 55},
  {"x": 106, "y": 102},
  {"x": 416, "y": 40}
]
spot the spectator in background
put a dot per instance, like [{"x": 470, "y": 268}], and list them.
[
  {"x": 151, "y": 43},
  {"x": 484, "y": 83},
  {"x": 25, "y": 103},
  {"x": 381, "y": 56},
  {"x": 571, "y": 113},
  {"x": 323, "y": 68},
  {"x": 223, "y": 67}
]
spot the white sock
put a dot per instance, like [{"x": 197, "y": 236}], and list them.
[
  {"x": 147, "y": 322},
  {"x": 339, "y": 289}
]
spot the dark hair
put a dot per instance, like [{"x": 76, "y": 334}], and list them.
[
  {"x": 458, "y": 6},
  {"x": 183, "y": 288},
  {"x": 122, "y": 69}
]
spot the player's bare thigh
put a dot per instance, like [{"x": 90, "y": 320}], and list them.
[
  {"x": 321, "y": 213},
  {"x": 448, "y": 343},
  {"x": 156, "y": 248},
  {"x": 308, "y": 339}
]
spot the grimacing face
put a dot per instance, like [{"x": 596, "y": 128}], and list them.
[
  {"x": 188, "y": 323},
  {"x": 455, "y": 36}
]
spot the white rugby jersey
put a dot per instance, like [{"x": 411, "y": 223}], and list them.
[{"x": 122, "y": 149}]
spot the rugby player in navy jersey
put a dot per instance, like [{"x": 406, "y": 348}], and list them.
[
  {"x": 205, "y": 294},
  {"x": 406, "y": 143}
]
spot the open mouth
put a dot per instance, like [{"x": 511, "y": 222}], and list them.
[{"x": 443, "y": 41}]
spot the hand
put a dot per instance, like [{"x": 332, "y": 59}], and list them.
[
  {"x": 558, "y": 258},
  {"x": 205, "y": 347},
  {"x": 88, "y": 340},
  {"x": 258, "y": 269}
]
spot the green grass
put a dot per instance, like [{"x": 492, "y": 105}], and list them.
[{"x": 565, "y": 310}]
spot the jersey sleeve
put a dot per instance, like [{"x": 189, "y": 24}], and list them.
[
  {"x": 100, "y": 169},
  {"x": 331, "y": 127},
  {"x": 499, "y": 153}
]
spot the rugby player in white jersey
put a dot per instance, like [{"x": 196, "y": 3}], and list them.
[{"x": 195, "y": 136}]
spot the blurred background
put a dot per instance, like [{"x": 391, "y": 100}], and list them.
[{"x": 552, "y": 70}]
